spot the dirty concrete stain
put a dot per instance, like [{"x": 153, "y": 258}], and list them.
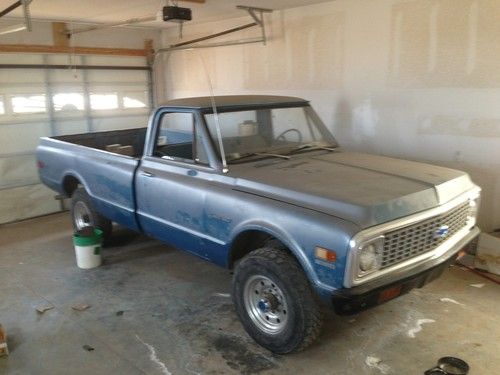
[
  {"x": 375, "y": 362},
  {"x": 477, "y": 285},
  {"x": 450, "y": 300},
  {"x": 153, "y": 356},
  {"x": 418, "y": 326},
  {"x": 240, "y": 357},
  {"x": 222, "y": 295}
]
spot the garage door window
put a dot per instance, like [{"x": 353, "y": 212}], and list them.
[
  {"x": 68, "y": 102},
  {"x": 104, "y": 101},
  {"x": 28, "y": 103},
  {"x": 135, "y": 99}
]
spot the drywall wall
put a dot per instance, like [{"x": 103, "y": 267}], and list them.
[{"x": 417, "y": 79}]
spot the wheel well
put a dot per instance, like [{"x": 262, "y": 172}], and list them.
[
  {"x": 70, "y": 184},
  {"x": 248, "y": 241}
]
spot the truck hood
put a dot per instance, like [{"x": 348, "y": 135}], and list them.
[{"x": 364, "y": 189}]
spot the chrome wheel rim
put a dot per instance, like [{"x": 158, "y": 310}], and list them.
[
  {"x": 265, "y": 304},
  {"x": 82, "y": 216}
]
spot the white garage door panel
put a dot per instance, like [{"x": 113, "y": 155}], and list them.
[
  {"x": 67, "y": 127},
  {"x": 116, "y": 123},
  {"x": 69, "y": 76},
  {"x": 119, "y": 99},
  {"x": 61, "y": 59},
  {"x": 138, "y": 76},
  {"x": 21, "y": 58},
  {"x": 27, "y": 201},
  {"x": 12, "y": 89},
  {"x": 17, "y": 170},
  {"x": 20, "y": 76},
  {"x": 112, "y": 60},
  {"x": 20, "y": 137}
]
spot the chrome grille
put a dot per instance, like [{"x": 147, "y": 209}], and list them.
[{"x": 420, "y": 238}]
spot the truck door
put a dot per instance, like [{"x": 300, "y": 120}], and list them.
[{"x": 172, "y": 181}]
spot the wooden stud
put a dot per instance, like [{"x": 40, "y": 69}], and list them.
[
  {"x": 34, "y": 48},
  {"x": 59, "y": 34},
  {"x": 149, "y": 50}
]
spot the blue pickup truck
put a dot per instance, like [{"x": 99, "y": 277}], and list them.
[{"x": 258, "y": 184}]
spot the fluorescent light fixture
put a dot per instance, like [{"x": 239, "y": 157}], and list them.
[{"x": 12, "y": 29}]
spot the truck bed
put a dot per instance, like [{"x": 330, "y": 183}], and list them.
[
  {"x": 106, "y": 173},
  {"x": 131, "y": 140}
]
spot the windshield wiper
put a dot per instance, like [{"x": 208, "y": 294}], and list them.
[
  {"x": 250, "y": 154},
  {"x": 310, "y": 146}
]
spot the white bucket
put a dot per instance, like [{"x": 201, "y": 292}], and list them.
[
  {"x": 248, "y": 128},
  {"x": 88, "y": 256},
  {"x": 88, "y": 249}
]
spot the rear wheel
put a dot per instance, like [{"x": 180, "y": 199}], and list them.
[
  {"x": 84, "y": 215},
  {"x": 274, "y": 301}
]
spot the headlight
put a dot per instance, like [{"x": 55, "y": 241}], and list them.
[
  {"x": 368, "y": 258},
  {"x": 369, "y": 255},
  {"x": 474, "y": 207}
]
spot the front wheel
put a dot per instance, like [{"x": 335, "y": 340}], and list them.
[
  {"x": 84, "y": 215},
  {"x": 274, "y": 301}
]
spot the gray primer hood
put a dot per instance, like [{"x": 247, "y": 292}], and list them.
[{"x": 364, "y": 189}]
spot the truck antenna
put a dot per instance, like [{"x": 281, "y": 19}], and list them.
[{"x": 216, "y": 114}]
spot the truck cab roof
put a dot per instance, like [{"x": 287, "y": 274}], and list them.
[{"x": 229, "y": 102}]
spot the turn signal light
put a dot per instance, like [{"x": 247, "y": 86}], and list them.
[{"x": 325, "y": 254}]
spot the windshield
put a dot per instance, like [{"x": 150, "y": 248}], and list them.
[{"x": 271, "y": 131}]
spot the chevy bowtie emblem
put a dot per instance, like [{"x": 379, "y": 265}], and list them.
[{"x": 441, "y": 232}]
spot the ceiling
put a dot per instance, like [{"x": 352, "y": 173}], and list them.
[{"x": 107, "y": 11}]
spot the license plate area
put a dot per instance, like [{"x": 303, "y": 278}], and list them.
[{"x": 389, "y": 293}]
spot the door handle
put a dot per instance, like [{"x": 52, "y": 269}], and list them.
[{"x": 147, "y": 174}]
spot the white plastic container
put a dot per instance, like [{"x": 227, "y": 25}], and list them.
[
  {"x": 488, "y": 254},
  {"x": 248, "y": 128},
  {"x": 88, "y": 243}
]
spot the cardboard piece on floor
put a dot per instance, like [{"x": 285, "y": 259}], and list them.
[
  {"x": 80, "y": 307},
  {"x": 4, "y": 350},
  {"x": 44, "y": 307}
]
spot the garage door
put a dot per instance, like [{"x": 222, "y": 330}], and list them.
[{"x": 48, "y": 98}]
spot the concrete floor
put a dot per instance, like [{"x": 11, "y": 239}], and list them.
[{"x": 155, "y": 310}]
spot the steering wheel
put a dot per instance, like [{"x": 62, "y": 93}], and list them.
[{"x": 294, "y": 130}]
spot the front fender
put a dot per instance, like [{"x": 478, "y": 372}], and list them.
[
  {"x": 301, "y": 234},
  {"x": 281, "y": 235}
]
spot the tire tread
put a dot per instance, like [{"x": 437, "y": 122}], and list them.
[
  {"x": 101, "y": 222},
  {"x": 293, "y": 274}
]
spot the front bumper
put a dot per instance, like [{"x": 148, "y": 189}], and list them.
[{"x": 356, "y": 299}]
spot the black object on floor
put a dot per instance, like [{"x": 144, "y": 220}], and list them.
[{"x": 449, "y": 366}]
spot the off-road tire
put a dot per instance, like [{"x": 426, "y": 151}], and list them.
[
  {"x": 304, "y": 319},
  {"x": 95, "y": 219}
]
